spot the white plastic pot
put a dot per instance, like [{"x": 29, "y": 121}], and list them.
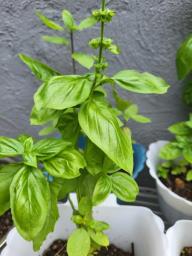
[
  {"x": 127, "y": 224},
  {"x": 173, "y": 206},
  {"x": 179, "y": 236}
]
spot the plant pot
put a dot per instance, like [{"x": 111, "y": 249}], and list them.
[
  {"x": 127, "y": 224},
  {"x": 179, "y": 236},
  {"x": 173, "y": 206}
]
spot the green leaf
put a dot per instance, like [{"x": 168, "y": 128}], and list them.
[
  {"x": 55, "y": 40},
  {"x": 102, "y": 189},
  {"x": 163, "y": 172},
  {"x": 114, "y": 49},
  {"x": 98, "y": 225},
  {"x": 66, "y": 165},
  {"x": 10, "y": 147},
  {"x": 39, "y": 69},
  {"x": 99, "y": 238},
  {"x": 63, "y": 92},
  {"x": 79, "y": 243},
  {"x": 30, "y": 197},
  {"x": 124, "y": 187},
  {"x": 7, "y": 173},
  {"x": 97, "y": 161},
  {"x": 43, "y": 115},
  {"x": 50, "y": 147},
  {"x": 29, "y": 155},
  {"x": 170, "y": 151},
  {"x": 180, "y": 129},
  {"x": 52, "y": 217},
  {"x": 187, "y": 93},
  {"x": 85, "y": 206},
  {"x": 49, "y": 23},
  {"x": 187, "y": 153},
  {"x": 121, "y": 104},
  {"x": 83, "y": 59},
  {"x": 132, "y": 112},
  {"x": 102, "y": 127},
  {"x": 184, "y": 58},
  {"x": 134, "y": 81},
  {"x": 47, "y": 130},
  {"x": 189, "y": 176},
  {"x": 68, "y": 126},
  {"x": 69, "y": 20},
  {"x": 87, "y": 23},
  {"x": 67, "y": 186}
]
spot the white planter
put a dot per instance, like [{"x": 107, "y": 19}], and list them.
[
  {"x": 173, "y": 206},
  {"x": 179, "y": 236},
  {"x": 127, "y": 224}
]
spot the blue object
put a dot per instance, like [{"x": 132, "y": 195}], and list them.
[{"x": 139, "y": 159}]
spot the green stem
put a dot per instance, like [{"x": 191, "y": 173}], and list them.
[
  {"x": 98, "y": 70},
  {"x": 71, "y": 203},
  {"x": 72, "y": 51}
]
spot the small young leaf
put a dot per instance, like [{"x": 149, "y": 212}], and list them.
[
  {"x": 85, "y": 60},
  {"x": 66, "y": 165},
  {"x": 121, "y": 104},
  {"x": 102, "y": 189},
  {"x": 49, "y": 23},
  {"x": 69, "y": 20},
  {"x": 10, "y": 147},
  {"x": 132, "y": 112},
  {"x": 7, "y": 174},
  {"x": 178, "y": 170},
  {"x": 55, "y": 40},
  {"x": 62, "y": 92},
  {"x": 78, "y": 243},
  {"x": 134, "y": 81},
  {"x": 87, "y": 23},
  {"x": 30, "y": 192},
  {"x": 114, "y": 49},
  {"x": 85, "y": 206},
  {"x": 187, "y": 153},
  {"x": 189, "y": 176},
  {"x": 184, "y": 58},
  {"x": 162, "y": 172},
  {"x": 170, "y": 151},
  {"x": 98, "y": 225},
  {"x": 39, "y": 69},
  {"x": 99, "y": 238},
  {"x": 124, "y": 187}
]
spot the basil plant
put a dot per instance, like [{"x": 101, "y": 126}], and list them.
[
  {"x": 76, "y": 105},
  {"x": 178, "y": 153}
]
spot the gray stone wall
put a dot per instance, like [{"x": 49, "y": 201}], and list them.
[{"x": 148, "y": 32}]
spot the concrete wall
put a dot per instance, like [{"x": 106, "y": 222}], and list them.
[{"x": 148, "y": 32}]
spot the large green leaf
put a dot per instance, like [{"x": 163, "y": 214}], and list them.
[
  {"x": 78, "y": 243},
  {"x": 124, "y": 187},
  {"x": 52, "y": 217},
  {"x": 7, "y": 174},
  {"x": 99, "y": 238},
  {"x": 102, "y": 189},
  {"x": 184, "y": 58},
  {"x": 170, "y": 151},
  {"x": 63, "y": 92},
  {"x": 68, "y": 126},
  {"x": 102, "y": 127},
  {"x": 66, "y": 165},
  {"x": 39, "y": 69},
  {"x": 48, "y": 22},
  {"x": 30, "y": 197},
  {"x": 97, "y": 161},
  {"x": 180, "y": 129},
  {"x": 43, "y": 115},
  {"x": 48, "y": 148},
  {"x": 135, "y": 81},
  {"x": 10, "y": 147}
]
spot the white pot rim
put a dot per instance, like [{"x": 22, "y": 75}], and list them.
[{"x": 153, "y": 172}]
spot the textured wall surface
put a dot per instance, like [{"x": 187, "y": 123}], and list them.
[{"x": 148, "y": 32}]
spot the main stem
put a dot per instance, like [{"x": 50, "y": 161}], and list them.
[{"x": 72, "y": 51}]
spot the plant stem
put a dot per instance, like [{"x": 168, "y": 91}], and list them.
[
  {"x": 98, "y": 70},
  {"x": 71, "y": 203},
  {"x": 72, "y": 51}
]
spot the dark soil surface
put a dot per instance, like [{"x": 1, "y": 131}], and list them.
[
  {"x": 187, "y": 251},
  {"x": 58, "y": 248},
  {"x": 179, "y": 185},
  {"x": 6, "y": 224}
]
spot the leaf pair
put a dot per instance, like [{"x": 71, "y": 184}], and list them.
[{"x": 121, "y": 184}]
